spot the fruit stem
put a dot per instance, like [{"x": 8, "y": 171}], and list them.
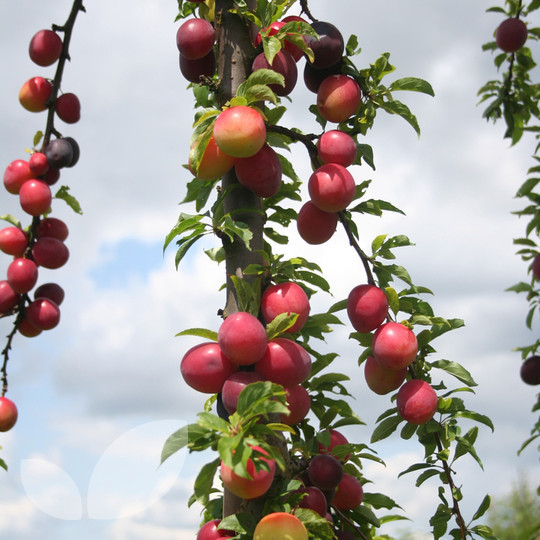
[
  {"x": 353, "y": 525},
  {"x": 7, "y": 348},
  {"x": 306, "y": 140}
]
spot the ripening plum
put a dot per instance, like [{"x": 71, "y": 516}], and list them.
[
  {"x": 285, "y": 362},
  {"x": 261, "y": 173},
  {"x": 325, "y": 471},
  {"x": 288, "y": 298},
  {"x": 336, "y": 146},
  {"x": 35, "y": 197},
  {"x": 511, "y": 35},
  {"x": 240, "y": 131},
  {"x": 8, "y": 414},
  {"x": 205, "y": 368},
  {"x": 51, "y": 226},
  {"x": 195, "y": 38},
  {"x": 417, "y": 401},
  {"x": 59, "y": 153},
  {"x": 53, "y": 291},
  {"x": 382, "y": 380},
  {"x": 22, "y": 275},
  {"x": 234, "y": 384},
  {"x": 314, "y": 77},
  {"x": 43, "y": 313},
  {"x": 331, "y": 188},
  {"x": 35, "y": 93},
  {"x": 338, "y": 98},
  {"x": 284, "y": 64},
  {"x": 16, "y": 174},
  {"x": 45, "y": 48},
  {"x": 68, "y": 108},
  {"x": 193, "y": 70},
  {"x": 299, "y": 403},
  {"x": 394, "y": 345},
  {"x": 13, "y": 241},
  {"x": 214, "y": 163},
  {"x": 328, "y": 47},
  {"x": 367, "y": 307},
  {"x": 8, "y": 297},
  {"x": 50, "y": 252},
  {"x": 349, "y": 493},
  {"x": 314, "y": 225},
  {"x": 530, "y": 370},
  {"x": 242, "y": 338}
]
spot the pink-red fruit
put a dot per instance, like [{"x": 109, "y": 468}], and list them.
[
  {"x": 210, "y": 531},
  {"x": 259, "y": 481},
  {"x": 205, "y": 368},
  {"x": 336, "y": 439},
  {"x": 280, "y": 525},
  {"x": 287, "y": 298},
  {"x": 38, "y": 163},
  {"x": 336, "y": 146},
  {"x": 285, "y": 65},
  {"x": 240, "y": 131},
  {"x": 234, "y": 384},
  {"x": 314, "y": 225},
  {"x": 417, "y": 401},
  {"x": 261, "y": 173},
  {"x": 52, "y": 291},
  {"x": 367, "y": 307},
  {"x": 34, "y": 94},
  {"x": 511, "y": 35},
  {"x": 13, "y": 241},
  {"x": 45, "y": 48},
  {"x": 8, "y": 297},
  {"x": 325, "y": 471},
  {"x": 394, "y": 346},
  {"x": 331, "y": 187},
  {"x": 8, "y": 414},
  {"x": 54, "y": 227},
  {"x": 242, "y": 338},
  {"x": 383, "y": 380},
  {"x": 285, "y": 362},
  {"x": 214, "y": 163},
  {"x": 313, "y": 499},
  {"x": 338, "y": 98},
  {"x": 299, "y": 404},
  {"x": 68, "y": 108},
  {"x": 22, "y": 275},
  {"x": 195, "y": 38},
  {"x": 50, "y": 252},
  {"x": 349, "y": 493},
  {"x": 43, "y": 313},
  {"x": 35, "y": 197},
  {"x": 16, "y": 174}
]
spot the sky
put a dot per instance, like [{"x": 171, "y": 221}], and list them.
[{"x": 98, "y": 395}]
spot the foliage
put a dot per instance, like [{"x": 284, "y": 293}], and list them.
[{"x": 514, "y": 98}]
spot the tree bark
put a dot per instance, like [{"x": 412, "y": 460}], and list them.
[{"x": 235, "y": 54}]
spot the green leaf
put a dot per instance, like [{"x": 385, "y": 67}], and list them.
[
  {"x": 412, "y": 84},
  {"x": 204, "y": 481},
  {"x": 386, "y": 428},
  {"x": 70, "y": 200},
  {"x": 199, "y": 332},
  {"x": 415, "y": 467},
  {"x": 455, "y": 369},
  {"x": 378, "y": 500},
  {"x": 477, "y": 417},
  {"x": 176, "y": 442},
  {"x": 482, "y": 509},
  {"x": 37, "y": 138},
  {"x": 425, "y": 476},
  {"x": 280, "y": 324},
  {"x": 400, "y": 109},
  {"x": 3, "y": 464},
  {"x": 260, "y": 398}
]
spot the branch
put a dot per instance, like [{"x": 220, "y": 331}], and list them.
[
  {"x": 67, "y": 29},
  {"x": 352, "y": 240},
  {"x": 305, "y": 139}
]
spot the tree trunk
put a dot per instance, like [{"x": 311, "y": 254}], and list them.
[{"x": 235, "y": 53}]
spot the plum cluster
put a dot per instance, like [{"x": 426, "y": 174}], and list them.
[
  {"x": 394, "y": 348},
  {"x": 243, "y": 354},
  {"x": 41, "y": 244}
]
